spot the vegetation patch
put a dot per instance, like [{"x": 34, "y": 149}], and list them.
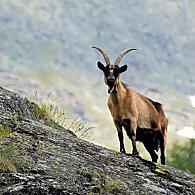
[
  {"x": 4, "y": 131},
  {"x": 112, "y": 185},
  {"x": 47, "y": 110},
  {"x": 183, "y": 156},
  {"x": 7, "y": 166},
  {"x": 6, "y": 152},
  {"x": 12, "y": 158}
]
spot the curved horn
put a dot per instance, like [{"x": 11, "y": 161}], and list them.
[
  {"x": 104, "y": 55},
  {"x": 118, "y": 59}
]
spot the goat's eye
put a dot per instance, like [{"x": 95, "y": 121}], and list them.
[
  {"x": 106, "y": 73},
  {"x": 115, "y": 73}
]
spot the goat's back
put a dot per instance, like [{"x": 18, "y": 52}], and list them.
[{"x": 148, "y": 112}]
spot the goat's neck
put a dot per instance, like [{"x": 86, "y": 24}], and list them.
[{"x": 120, "y": 90}]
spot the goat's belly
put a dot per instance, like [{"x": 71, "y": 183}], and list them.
[{"x": 144, "y": 124}]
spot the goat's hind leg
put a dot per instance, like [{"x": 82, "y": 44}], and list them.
[
  {"x": 152, "y": 153},
  {"x": 162, "y": 156},
  {"x": 162, "y": 149},
  {"x": 120, "y": 136},
  {"x": 162, "y": 153}
]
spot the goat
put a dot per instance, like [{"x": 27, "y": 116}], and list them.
[{"x": 143, "y": 119}]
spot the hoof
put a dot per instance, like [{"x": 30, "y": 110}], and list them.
[
  {"x": 154, "y": 160},
  {"x": 162, "y": 160},
  {"x": 123, "y": 151}
]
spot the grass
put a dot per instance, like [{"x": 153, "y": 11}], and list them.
[
  {"x": 7, "y": 159},
  {"x": 7, "y": 166},
  {"x": 4, "y": 131},
  {"x": 12, "y": 156},
  {"x": 48, "y": 110}
]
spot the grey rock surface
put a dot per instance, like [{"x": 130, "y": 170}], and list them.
[{"x": 55, "y": 161}]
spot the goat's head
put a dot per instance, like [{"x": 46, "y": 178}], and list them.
[{"x": 112, "y": 72}]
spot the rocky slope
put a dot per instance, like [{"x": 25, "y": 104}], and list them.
[{"x": 47, "y": 159}]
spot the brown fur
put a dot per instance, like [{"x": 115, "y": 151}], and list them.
[{"x": 145, "y": 116}]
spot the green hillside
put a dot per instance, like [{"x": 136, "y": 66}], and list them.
[{"x": 47, "y": 45}]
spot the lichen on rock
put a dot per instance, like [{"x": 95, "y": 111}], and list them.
[{"x": 54, "y": 161}]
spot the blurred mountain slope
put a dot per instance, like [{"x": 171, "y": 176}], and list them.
[{"x": 49, "y": 43}]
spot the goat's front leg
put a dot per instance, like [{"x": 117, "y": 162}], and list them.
[
  {"x": 131, "y": 132},
  {"x": 120, "y": 136}
]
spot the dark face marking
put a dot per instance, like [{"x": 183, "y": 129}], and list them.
[{"x": 111, "y": 73}]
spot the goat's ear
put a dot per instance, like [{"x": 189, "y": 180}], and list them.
[
  {"x": 123, "y": 68},
  {"x": 100, "y": 66}
]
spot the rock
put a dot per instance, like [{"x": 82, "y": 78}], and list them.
[
  {"x": 14, "y": 104},
  {"x": 53, "y": 160}
]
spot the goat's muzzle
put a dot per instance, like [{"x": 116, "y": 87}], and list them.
[{"x": 111, "y": 85}]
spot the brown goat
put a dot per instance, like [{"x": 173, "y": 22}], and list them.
[{"x": 142, "y": 118}]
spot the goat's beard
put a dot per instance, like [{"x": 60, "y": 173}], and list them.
[{"x": 111, "y": 89}]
